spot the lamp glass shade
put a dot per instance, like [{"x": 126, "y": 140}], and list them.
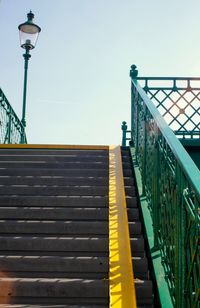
[{"x": 28, "y": 34}]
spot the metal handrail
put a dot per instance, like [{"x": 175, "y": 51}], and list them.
[
  {"x": 11, "y": 128},
  {"x": 171, "y": 185}
]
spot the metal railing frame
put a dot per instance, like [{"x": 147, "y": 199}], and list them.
[
  {"x": 11, "y": 128},
  {"x": 178, "y": 100},
  {"x": 171, "y": 185}
]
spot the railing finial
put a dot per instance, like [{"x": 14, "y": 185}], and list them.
[
  {"x": 133, "y": 71},
  {"x": 124, "y": 130}
]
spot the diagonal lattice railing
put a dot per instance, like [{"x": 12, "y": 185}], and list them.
[
  {"x": 11, "y": 128},
  {"x": 178, "y": 101},
  {"x": 171, "y": 184}
]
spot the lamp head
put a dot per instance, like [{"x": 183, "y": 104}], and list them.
[{"x": 28, "y": 32}]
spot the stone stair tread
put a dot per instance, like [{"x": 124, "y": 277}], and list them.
[
  {"x": 53, "y": 264},
  {"x": 54, "y": 191},
  {"x": 53, "y": 180},
  {"x": 46, "y": 213},
  {"x": 51, "y": 227},
  {"x": 135, "y": 228},
  {"x": 137, "y": 247},
  {"x": 144, "y": 291},
  {"x": 53, "y": 165},
  {"x": 54, "y": 243},
  {"x": 50, "y": 306},
  {"x": 56, "y": 201},
  {"x": 63, "y": 265},
  {"x": 54, "y": 172},
  {"x": 133, "y": 214},
  {"x": 66, "y": 152},
  {"x": 53, "y": 287},
  {"x": 52, "y": 158},
  {"x": 131, "y": 201}
]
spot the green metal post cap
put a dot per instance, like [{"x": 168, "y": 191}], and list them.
[
  {"x": 124, "y": 125},
  {"x": 30, "y": 16},
  {"x": 133, "y": 71}
]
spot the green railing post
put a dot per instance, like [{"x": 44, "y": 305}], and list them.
[
  {"x": 7, "y": 138},
  {"x": 180, "y": 251},
  {"x": 124, "y": 131},
  {"x": 156, "y": 193},
  {"x": 9, "y": 127}
]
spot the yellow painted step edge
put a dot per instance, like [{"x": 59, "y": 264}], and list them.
[
  {"x": 54, "y": 146},
  {"x": 121, "y": 280}
]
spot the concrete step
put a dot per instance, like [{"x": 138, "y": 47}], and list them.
[
  {"x": 93, "y": 172},
  {"x": 135, "y": 228},
  {"x": 65, "y": 291},
  {"x": 52, "y": 158},
  {"x": 131, "y": 201},
  {"x": 140, "y": 268},
  {"x": 54, "y": 165},
  {"x": 54, "y": 180},
  {"x": 55, "y": 201},
  {"x": 64, "y": 244},
  {"x": 137, "y": 247},
  {"x": 144, "y": 292},
  {"x": 55, "y": 244},
  {"x": 54, "y": 291},
  {"x": 53, "y": 227},
  {"x": 54, "y": 266},
  {"x": 133, "y": 214},
  {"x": 127, "y": 165},
  {"x": 51, "y": 306},
  {"x": 57, "y": 213},
  {"x": 130, "y": 191},
  {"x": 54, "y": 190},
  {"x": 127, "y": 172},
  {"x": 69, "y": 227},
  {"x": 129, "y": 181},
  {"x": 55, "y": 152},
  {"x": 58, "y": 266},
  {"x": 50, "y": 213}
]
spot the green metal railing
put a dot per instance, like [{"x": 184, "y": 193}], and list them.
[
  {"x": 178, "y": 101},
  {"x": 11, "y": 128},
  {"x": 171, "y": 184}
]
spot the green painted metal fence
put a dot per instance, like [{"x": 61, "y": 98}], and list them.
[
  {"x": 178, "y": 101},
  {"x": 171, "y": 184},
  {"x": 11, "y": 128}
]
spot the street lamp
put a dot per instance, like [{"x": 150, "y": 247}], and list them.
[{"x": 28, "y": 34}]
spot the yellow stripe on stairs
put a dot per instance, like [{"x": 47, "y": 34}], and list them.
[{"x": 121, "y": 280}]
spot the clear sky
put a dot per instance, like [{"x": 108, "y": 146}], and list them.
[{"x": 78, "y": 79}]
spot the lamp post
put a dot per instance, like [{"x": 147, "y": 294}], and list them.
[{"x": 28, "y": 33}]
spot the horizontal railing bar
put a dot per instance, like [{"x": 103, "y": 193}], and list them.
[
  {"x": 169, "y": 78},
  {"x": 194, "y": 132},
  {"x": 188, "y": 166},
  {"x": 189, "y": 89}
]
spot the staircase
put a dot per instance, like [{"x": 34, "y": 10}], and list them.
[
  {"x": 54, "y": 227},
  {"x": 54, "y": 246},
  {"x": 143, "y": 284}
]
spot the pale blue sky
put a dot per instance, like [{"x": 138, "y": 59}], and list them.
[{"x": 78, "y": 83}]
